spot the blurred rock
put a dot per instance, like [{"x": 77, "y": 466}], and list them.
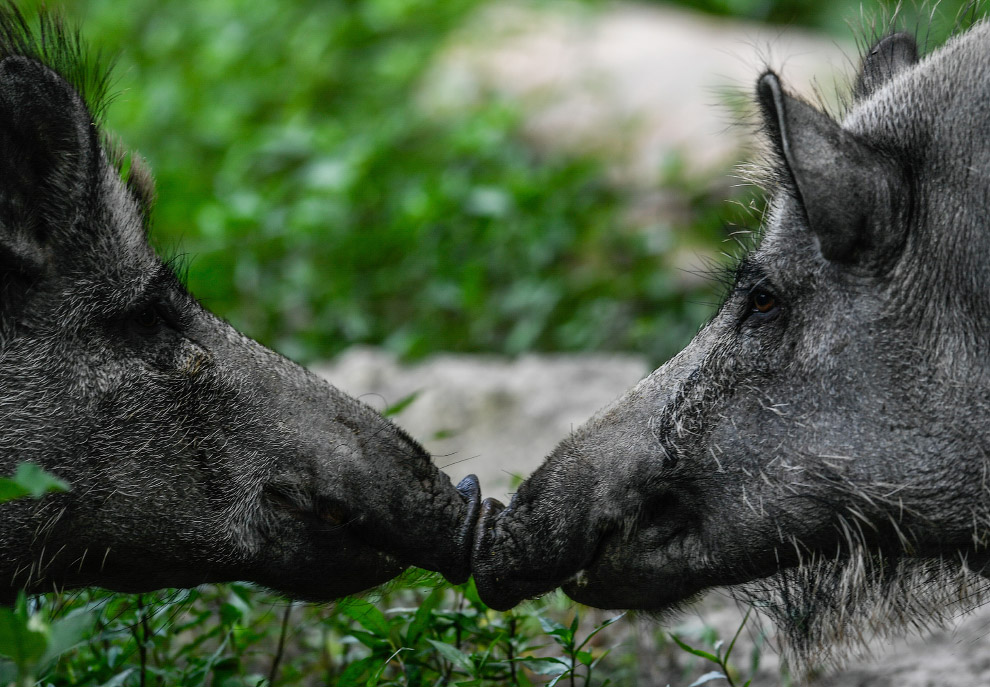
[
  {"x": 956, "y": 656},
  {"x": 495, "y": 417},
  {"x": 647, "y": 87}
]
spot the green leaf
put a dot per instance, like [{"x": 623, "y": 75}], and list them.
[
  {"x": 454, "y": 655},
  {"x": 366, "y": 615},
  {"x": 401, "y": 404},
  {"x": 471, "y": 594},
  {"x": 8, "y": 672},
  {"x": 67, "y": 632},
  {"x": 697, "y": 652},
  {"x": 546, "y": 666},
  {"x": 732, "y": 644},
  {"x": 564, "y": 636},
  {"x": 598, "y": 660},
  {"x": 354, "y": 673},
  {"x": 370, "y": 640},
  {"x": 424, "y": 614},
  {"x": 37, "y": 481},
  {"x": 601, "y": 627},
  {"x": 22, "y": 644},
  {"x": 373, "y": 680},
  {"x": 10, "y": 490},
  {"x": 230, "y": 613},
  {"x": 708, "y": 677},
  {"x": 550, "y": 625},
  {"x": 118, "y": 679}
]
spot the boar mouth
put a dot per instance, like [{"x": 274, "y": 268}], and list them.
[
  {"x": 655, "y": 566},
  {"x": 305, "y": 507},
  {"x": 622, "y": 574}
]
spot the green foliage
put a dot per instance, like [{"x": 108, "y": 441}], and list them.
[
  {"x": 239, "y": 636},
  {"x": 29, "y": 480},
  {"x": 31, "y": 644},
  {"x": 725, "y": 671},
  {"x": 576, "y": 656},
  {"x": 319, "y": 203},
  {"x": 839, "y": 16},
  {"x": 28, "y": 642},
  {"x": 418, "y": 633}
]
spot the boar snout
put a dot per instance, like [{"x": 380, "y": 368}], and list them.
[
  {"x": 533, "y": 545},
  {"x": 470, "y": 491}
]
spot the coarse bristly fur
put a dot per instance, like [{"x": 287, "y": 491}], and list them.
[
  {"x": 821, "y": 448},
  {"x": 193, "y": 453}
]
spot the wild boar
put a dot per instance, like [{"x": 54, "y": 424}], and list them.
[
  {"x": 193, "y": 453},
  {"x": 822, "y": 446}
]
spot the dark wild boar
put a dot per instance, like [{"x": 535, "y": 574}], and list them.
[
  {"x": 822, "y": 446},
  {"x": 193, "y": 453}
]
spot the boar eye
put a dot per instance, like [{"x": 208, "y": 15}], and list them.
[
  {"x": 763, "y": 302},
  {"x": 332, "y": 514},
  {"x": 147, "y": 320}
]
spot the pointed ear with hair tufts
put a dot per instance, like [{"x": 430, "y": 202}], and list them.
[
  {"x": 48, "y": 155},
  {"x": 888, "y": 57},
  {"x": 853, "y": 197}
]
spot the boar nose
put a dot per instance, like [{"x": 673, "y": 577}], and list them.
[
  {"x": 489, "y": 562},
  {"x": 470, "y": 491}
]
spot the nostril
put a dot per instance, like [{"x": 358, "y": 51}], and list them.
[
  {"x": 470, "y": 491},
  {"x": 331, "y": 512},
  {"x": 285, "y": 497},
  {"x": 301, "y": 504},
  {"x": 490, "y": 509}
]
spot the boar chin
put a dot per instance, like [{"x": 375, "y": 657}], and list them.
[{"x": 643, "y": 571}]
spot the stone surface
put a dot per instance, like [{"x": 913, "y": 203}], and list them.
[
  {"x": 495, "y": 417},
  {"x": 644, "y": 86}
]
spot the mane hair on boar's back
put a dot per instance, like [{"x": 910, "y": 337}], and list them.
[
  {"x": 193, "y": 454},
  {"x": 822, "y": 447}
]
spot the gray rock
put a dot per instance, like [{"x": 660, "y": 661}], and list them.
[
  {"x": 491, "y": 416},
  {"x": 643, "y": 86}
]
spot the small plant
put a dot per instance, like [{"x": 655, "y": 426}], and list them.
[
  {"x": 576, "y": 654},
  {"x": 721, "y": 660},
  {"x": 418, "y": 633},
  {"x": 28, "y": 642}
]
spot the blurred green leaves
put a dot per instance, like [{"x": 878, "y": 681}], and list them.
[
  {"x": 318, "y": 206},
  {"x": 29, "y": 480}
]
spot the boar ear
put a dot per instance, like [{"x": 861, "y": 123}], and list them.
[
  {"x": 48, "y": 148},
  {"x": 888, "y": 57},
  {"x": 843, "y": 186}
]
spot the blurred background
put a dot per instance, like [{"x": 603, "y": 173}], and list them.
[
  {"x": 377, "y": 187},
  {"x": 457, "y": 175}
]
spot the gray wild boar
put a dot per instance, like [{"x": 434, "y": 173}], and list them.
[
  {"x": 193, "y": 453},
  {"x": 823, "y": 445}
]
